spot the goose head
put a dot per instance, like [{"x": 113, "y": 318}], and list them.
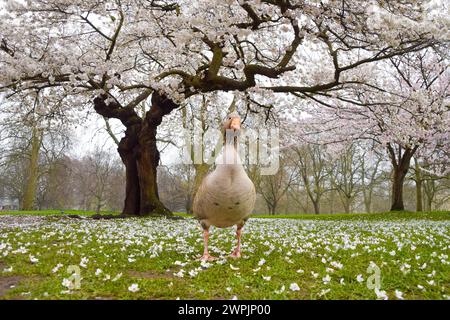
[{"x": 232, "y": 128}]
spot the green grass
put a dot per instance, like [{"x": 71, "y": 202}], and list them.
[
  {"x": 395, "y": 215},
  {"x": 54, "y": 212},
  {"x": 148, "y": 252}
]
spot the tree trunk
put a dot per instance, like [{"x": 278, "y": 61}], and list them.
[
  {"x": 272, "y": 207},
  {"x": 147, "y": 168},
  {"x": 29, "y": 197},
  {"x": 132, "y": 190},
  {"x": 400, "y": 166},
  {"x": 346, "y": 203},
  {"x": 367, "y": 197},
  {"x": 316, "y": 206},
  {"x": 419, "y": 204},
  {"x": 139, "y": 152},
  {"x": 397, "y": 189},
  {"x": 201, "y": 170}
]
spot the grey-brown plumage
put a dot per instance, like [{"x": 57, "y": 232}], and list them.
[{"x": 226, "y": 196}]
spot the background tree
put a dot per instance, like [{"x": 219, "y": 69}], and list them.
[
  {"x": 312, "y": 162},
  {"x": 411, "y": 117}
]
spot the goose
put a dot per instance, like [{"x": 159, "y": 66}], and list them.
[{"x": 226, "y": 196}]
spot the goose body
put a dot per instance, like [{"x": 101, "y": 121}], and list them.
[{"x": 226, "y": 197}]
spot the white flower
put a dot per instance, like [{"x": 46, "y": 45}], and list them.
[
  {"x": 67, "y": 283},
  {"x": 405, "y": 268},
  {"x": 98, "y": 272},
  {"x": 294, "y": 287},
  {"x": 193, "y": 273},
  {"x": 57, "y": 267},
  {"x": 228, "y": 289},
  {"x": 399, "y": 294},
  {"x": 133, "y": 288},
  {"x": 117, "y": 277},
  {"x": 360, "y": 278},
  {"x": 421, "y": 287},
  {"x": 10, "y": 269},
  {"x": 281, "y": 290},
  {"x": 315, "y": 275},
  {"x": 268, "y": 278},
  {"x": 324, "y": 292},
  {"x": 337, "y": 265},
  {"x": 234, "y": 298},
  {"x": 300, "y": 271},
  {"x": 261, "y": 262},
  {"x": 33, "y": 259},
  {"x": 205, "y": 264},
  {"x": 233, "y": 267},
  {"x": 179, "y": 274},
  {"x": 392, "y": 253},
  {"x": 326, "y": 279},
  {"x": 342, "y": 281},
  {"x": 83, "y": 262},
  {"x": 381, "y": 294}
]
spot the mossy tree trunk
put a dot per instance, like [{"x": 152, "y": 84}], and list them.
[
  {"x": 418, "y": 178},
  {"x": 29, "y": 197}
]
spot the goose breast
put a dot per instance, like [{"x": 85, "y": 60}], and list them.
[{"x": 225, "y": 198}]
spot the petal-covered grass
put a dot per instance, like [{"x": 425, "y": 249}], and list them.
[{"x": 156, "y": 258}]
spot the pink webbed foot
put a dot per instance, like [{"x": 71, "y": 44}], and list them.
[
  {"x": 235, "y": 254},
  {"x": 207, "y": 257}
]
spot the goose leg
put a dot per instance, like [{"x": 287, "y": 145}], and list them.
[
  {"x": 237, "y": 251},
  {"x": 206, "y": 256}
]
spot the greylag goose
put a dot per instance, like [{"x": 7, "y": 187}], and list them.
[{"x": 226, "y": 196}]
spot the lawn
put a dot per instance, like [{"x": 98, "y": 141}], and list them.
[{"x": 288, "y": 257}]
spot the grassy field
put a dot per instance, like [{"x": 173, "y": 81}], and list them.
[{"x": 286, "y": 257}]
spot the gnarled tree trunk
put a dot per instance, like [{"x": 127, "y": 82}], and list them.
[
  {"x": 400, "y": 164},
  {"x": 139, "y": 153},
  {"x": 127, "y": 152}
]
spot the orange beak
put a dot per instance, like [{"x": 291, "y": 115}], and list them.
[{"x": 235, "y": 124}]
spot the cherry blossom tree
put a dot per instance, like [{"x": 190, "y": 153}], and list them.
[
  {"x": 406, "y": 112},
  {"x": 116, "y": 54}
]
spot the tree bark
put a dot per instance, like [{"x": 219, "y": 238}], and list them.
[
  {"x": 201, "y": 171},
  {"x": 29, "y": 197},
  {"x": 316, "y": 206},
  {"x": 400, "y": 169},
  {"x": 127, "y": 152},
  {"x": 419, "y": 203},
  {"x": 397, "y": 189},
  {"x": 346, "y": 202}
]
